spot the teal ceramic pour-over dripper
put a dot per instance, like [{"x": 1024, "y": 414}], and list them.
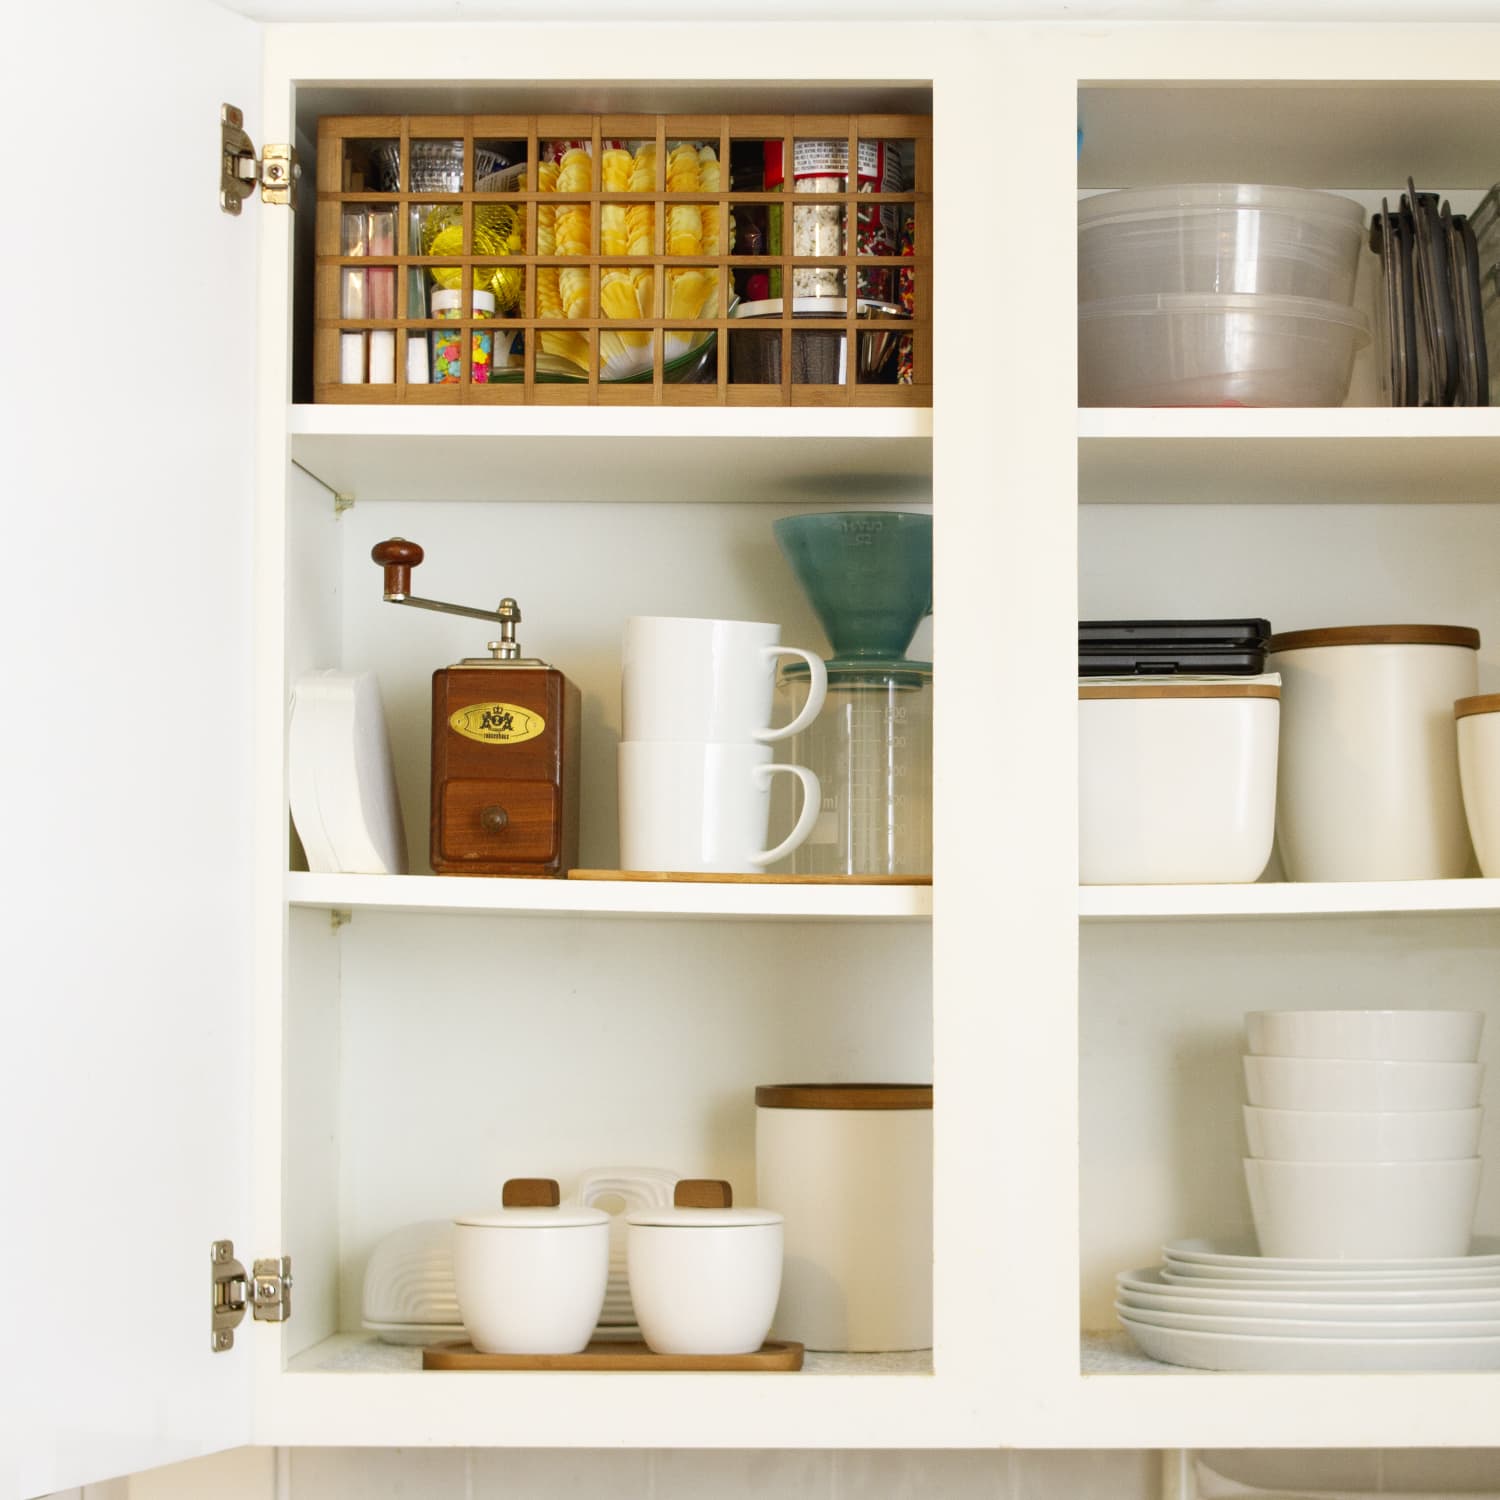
[{"x": 868, "y": 576}]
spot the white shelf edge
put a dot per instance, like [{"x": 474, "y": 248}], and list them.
[
  {"x": 858, "y": 1401},
  {"x": 777, "y": 455},
  {"x": 610, "y": 898},
  {"x": 575, "y": 422},
  {"x": 1103, "y": 903},
  {"x": 1125, "y": 1399},
  {"x": 1382, "y": 423}
]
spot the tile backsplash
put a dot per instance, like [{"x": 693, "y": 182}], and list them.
[
  {"x": 875, "y": 1474},
  {"x": 693, "y": 1474}
]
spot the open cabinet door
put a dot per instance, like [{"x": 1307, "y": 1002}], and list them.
[{"x": 127, "y": 483}]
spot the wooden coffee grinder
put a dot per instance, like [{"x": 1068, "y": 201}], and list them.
[{"x": 505, "y": 746}]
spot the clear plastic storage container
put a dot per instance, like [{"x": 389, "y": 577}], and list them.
[
  {"x": 1191, "y": 349},
  {"x": 1219, "y": 237}
]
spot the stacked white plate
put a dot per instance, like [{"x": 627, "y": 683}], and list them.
[{"x": 1220, "y": 1306}]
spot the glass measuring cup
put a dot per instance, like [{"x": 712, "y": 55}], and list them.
[{"x": 871, "y": 749}]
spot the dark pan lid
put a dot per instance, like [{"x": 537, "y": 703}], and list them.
[{"x": 1133, "y": 634}]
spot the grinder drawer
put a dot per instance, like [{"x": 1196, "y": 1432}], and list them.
[{"x": 500, "y": 821}]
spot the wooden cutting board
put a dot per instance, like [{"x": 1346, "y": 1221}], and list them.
[
  {"x": 602, "y": 1356},
  {"x": 701, "y": 879}
]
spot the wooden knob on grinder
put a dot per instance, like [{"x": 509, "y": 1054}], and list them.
[{"x": 398, "y": 557}]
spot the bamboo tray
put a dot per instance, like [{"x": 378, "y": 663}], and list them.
[
  {"x": 697, "y": 878},
  {"x": 344, "y": 143},
  {"x": 771, "y": 1357}
]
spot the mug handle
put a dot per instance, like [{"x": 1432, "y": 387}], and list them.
[
  {"x": 812, "y": 805},
  {"x": 817, "y": 691}
]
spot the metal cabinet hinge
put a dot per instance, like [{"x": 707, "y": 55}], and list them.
[
  {"x": 242, "y": 172},
  {"x": 267, "y": 1293}
]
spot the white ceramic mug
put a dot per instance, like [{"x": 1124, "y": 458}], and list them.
[
  {"x": 704, "y": 808},
  {"x": 686, "y": 679}
]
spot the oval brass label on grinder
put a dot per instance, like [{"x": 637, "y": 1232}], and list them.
[{"x": 497, "y": 723}]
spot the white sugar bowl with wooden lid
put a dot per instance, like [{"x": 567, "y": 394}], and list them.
[
  {"x": 704, "y": 1275},
  {"x": 531, "y": 1278},
  {"x": 1478, "y": 721},
  {"x": 1176, "y": 779},
  {"x": 1369, "y": 765}
]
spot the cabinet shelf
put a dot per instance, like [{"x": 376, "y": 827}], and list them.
[
  {"x": 609, "y": 898},
  {"x": 618, "y": 454},
  {"x": 1106, "y": 903},
  {"x": 1290, "y": 455},
  {"x": 1178, "y": 1407},
  {"x": 835, "y": 1400}
]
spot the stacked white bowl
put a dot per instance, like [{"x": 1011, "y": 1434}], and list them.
[
  {"x": 1214, "y": 294},
  {"x": 1363, "y": 1174},
  {"x": 1363, "y": 1127}
]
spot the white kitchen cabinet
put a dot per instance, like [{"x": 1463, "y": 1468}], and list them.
[
  {"x": 303, "y": 1062},
  {"x": 1306, "y": 517}
]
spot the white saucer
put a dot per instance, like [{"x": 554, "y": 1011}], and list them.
[
  {"x": 1302, "y": 1326},
  {"x": 1240, "y": 1257},
  {"x": 1227, "y": 1351},
  {"x": 1180, "y": 1274},
  {"x": 1149, "y": 1282}
]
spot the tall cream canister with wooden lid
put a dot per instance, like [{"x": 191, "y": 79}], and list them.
[
  {"x": 849, "y": 1167},
  {"x": 1478, "y": 723},
  {"x": 1368, "y": 782}
]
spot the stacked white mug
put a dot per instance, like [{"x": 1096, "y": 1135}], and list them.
[
  {"x": 695, "y": 749},
  {"x": 1363, "y": 1127}
]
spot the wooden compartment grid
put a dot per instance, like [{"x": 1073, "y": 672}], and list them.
[{"x": 720, "y": 130}]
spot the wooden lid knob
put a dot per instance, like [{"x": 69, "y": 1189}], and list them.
[
  {"x": 530, "y": 1192},
  {"x": 398, "y": 557},
  {"x": 702, "y": 1192}
]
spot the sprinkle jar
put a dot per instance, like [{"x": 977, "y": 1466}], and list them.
[{"x": 448, "y": 348}]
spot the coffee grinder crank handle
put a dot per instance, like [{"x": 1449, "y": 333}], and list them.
[{"x": 398, "y": 557}]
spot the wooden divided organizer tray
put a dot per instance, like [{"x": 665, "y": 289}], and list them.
[
  {"x": 771, "y": 1356},
  {"x": 633, "y": 260}
]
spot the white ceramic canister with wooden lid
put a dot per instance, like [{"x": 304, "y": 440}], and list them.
[
  {"x": 531, "y": 1276},
  {"x": 849, "y": 1167},
  {"x": 1176, "y": 780},
  {"x": 1478, "y": 724},
  {"x": 1368, "y": 781}
]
